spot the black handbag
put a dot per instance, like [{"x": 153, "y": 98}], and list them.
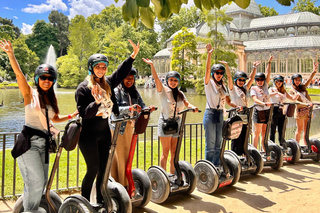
[
  {"x": 170, "y": 126},
  {"x": 71, "y": 134}
]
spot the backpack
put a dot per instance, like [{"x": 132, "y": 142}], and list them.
[{"x": 71, "y": 134}]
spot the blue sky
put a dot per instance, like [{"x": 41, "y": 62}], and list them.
[{"x": 25, "y": 13}]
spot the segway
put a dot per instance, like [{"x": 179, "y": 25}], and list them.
[
  {"x": 139, "y": 188},
  {"x": 182, "y": 182},
  {"x": 290, "y": 148},
  {"x": 312, "y": 149},
  {"x": 50, "y": 200},
  {"x": 272, "y": 156},
  {"x": 115, "y": 197},
  {"x": 252, "y": 162},
  {"x": 211, "y": 177}
]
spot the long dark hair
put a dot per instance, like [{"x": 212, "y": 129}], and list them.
[
  {"x": 133, "y": 92},
  {"x": 219, "y": 82},
  {"x": 51, "y": 97}
]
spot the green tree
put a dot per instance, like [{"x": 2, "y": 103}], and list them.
[
  {"x": 187, "y": 17},
  {"x": 83, "y": 43},
  {"x": 61, "y": 22},
  {"x": 135, "y": 10},
  {"x": 9, "y": 22},
  {"x": 7, "y": 32},
  {"x": 184, "y": 52},
  {"x": 42, "y": 36},
  {"x": 268, "y": 11},
  {"x": 306, "y": 5}
]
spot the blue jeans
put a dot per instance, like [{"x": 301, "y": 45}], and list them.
[
  {"x": 34, "y": 173},
  {"x": 213, "y": 135}
]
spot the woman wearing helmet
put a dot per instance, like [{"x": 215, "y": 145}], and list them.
[
  {"x": 31, "y": 148},
  {"x": 302, "y": 111},
  {"x": 217, "y": 95},
  {"x": 172, "y": 101},
  {"x": 260, "y": 95},
  {"x": 129, "y": 101},
  {"x": 96, "y": 101},
  {"x": 240, "y": 95},
  {"x": 278, "y": 94}
]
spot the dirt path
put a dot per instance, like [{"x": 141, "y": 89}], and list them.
[{"x": 294, "y": 188}]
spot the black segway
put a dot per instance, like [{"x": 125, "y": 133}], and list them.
[
  {"x": 115, "y": 196},
  {"x": 312, "y": 149},
  {"x": 183, "y": 181},
  {"x": 272, "y": 156},
  {"x": 50, "y": 200},
  {"x": 210, "y": 177},
  {"x": 252, "y": 162},
  {"x": 139, "y": 188},
  {"x": 290, "y": 148}
]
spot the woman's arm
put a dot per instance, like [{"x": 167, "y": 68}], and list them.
[
  {"x": 208, "y": 65},
  {"x": 273, "y": 92},
  {"x": 154, "y": 74},
  {"x": 292, "y": 97},
  {"x": 60, "y": 118},
  {"x": 268, "y": 70},
  {"x": 24, "y": 87},
  {"x": 230, "y": 82},
  {"x": 229, "y": 102},
  {"x": 315, "y": 69},
  {"x": 253, "y": 73},
  {"x": 189, "y": 105}
]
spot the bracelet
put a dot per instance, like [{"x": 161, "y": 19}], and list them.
[
  {"x": 69, "y": 116},
  {"x": 254, "y": 67},
  {"x": 133, "y": 56},
  {"x": 130, "y": 108}
]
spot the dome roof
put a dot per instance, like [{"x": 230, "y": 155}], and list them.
[
  {"x": 163, "y": 53},
  {"x": 252, "y": 9},
  {"x": 193, "y": 30}
]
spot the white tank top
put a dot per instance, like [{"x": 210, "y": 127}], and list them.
[{"x": 32, "y": 117}]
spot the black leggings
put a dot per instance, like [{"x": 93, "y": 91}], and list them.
[
  {"x": 277, "y": 121},
  {"x": 94, "y": 143}
]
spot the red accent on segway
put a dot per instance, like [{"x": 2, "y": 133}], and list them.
[
  {"x": 314, "y": 148},
  {"x": 225, "y": 183},
  {"x": 287, "y": 158},
  {"x": 131, "y": 188}
]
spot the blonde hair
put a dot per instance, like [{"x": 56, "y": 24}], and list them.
[{"x": 103, "y": 84}]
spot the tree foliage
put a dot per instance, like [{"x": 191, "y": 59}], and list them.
[
  {"x": 306, "y": 5},
  {"x": 147, "y": 10},
  {"x": 42, "y": 36},
  {"x": 9, "y": 22},
  {"x": 184, "y": 53},
  {"x": 61, "y": 22},
  {"x": 268, "y": 11}
]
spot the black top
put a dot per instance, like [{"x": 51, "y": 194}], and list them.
[{"x": 86, "y": 104}]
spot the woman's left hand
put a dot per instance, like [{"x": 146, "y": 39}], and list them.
[
  {"x": 224, "y": 63},
  {"x": 136, "y": 48},
  {"x": 195, "y": 109},
  {"x": 152, "y": 108},
  {"x": 75, "y": 113},
  {"x": 315, "y": 66}
]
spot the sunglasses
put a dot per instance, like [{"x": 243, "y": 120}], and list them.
[
  {"x": 43, "y": 77},
  {"x": 260, "y": 79},
  {"x": 242, "y": 80},
  {"x": 279, "y": 81},
  {"x": 219, "y": 73}
]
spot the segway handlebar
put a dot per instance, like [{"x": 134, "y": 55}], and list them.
[
  {"x": 123, "y": 119},
  {"x": 188, "y": 110},
  {"x": 147, "y": 109}
]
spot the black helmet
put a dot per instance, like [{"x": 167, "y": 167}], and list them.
[
  {"x": 174, "y": 74},
  {"x": 45, "y": 69},
  {"x": 240, "y": 74},
  {"x": 294, "y": 76},
  {"x": 95, "y": 59},
  {"x": 216, "y": 67},
  {"x": 134, "y": 72},
  {"x": 260, "y": 75},
  {"x": 278, "y": 77}
]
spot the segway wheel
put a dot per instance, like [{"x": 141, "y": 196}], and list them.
[
  {"x": 18, "y": 206},
  {"x": 207, "y": 176},
  {"x": 188, "y": 175},
  {"x": 295, "y": 148},
  {"x": 315, "y": 145},
  {"x": 76, "y": 204},
  {"x": 257, "y": 159},
  {"x": 159, "y": 184},
  {"x": 234, "y": 166},
  {"x": 278, "y": 155},
  {"x": 120, "y": 199},
  {"x": 143, "y": 186}
]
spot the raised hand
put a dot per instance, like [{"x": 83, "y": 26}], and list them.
[
  {"x": 148, "y": 61},
  {"x": 270, "y": 58},
  {"x": 6, "y": 46},
  {"x": 315, "y": 66},
  {"x": 209, "y": 48},
  {"x": 136, "y": 48},
  {"x": 224, "y": 63},
  {"x": 97, "y": 94},
  {"x": 256, "y": 63}
]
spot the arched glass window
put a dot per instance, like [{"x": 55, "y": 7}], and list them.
[
  {"x": 315, "y": 30},
  {"x": 280, "y": 32},
  {"x": 292, "y": 64},
  {"x": 252, "y": 36},
  {"x": 302, "y": 30},
  {"x": 244, "y": 36},
  {"x": 306, "y": 62},
  {"x": 282, "y": 63},
  {"x": 291, "y": 31},
  {"x": 271, "y": 34},
  {"x": 236, "y": 36},
  {"x": 250, "y": 60},
  {"x": 262, "y": 34}
]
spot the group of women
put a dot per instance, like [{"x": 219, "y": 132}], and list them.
[{"x": 100, "y": 97}]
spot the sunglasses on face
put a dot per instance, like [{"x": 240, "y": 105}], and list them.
[
  {"x": 242, "y": 80},
  {"x": 43, "y": 77},
  {"x": 277, "y": 81},
  {"x": 219, "y": 73},
  {"x": 260, "y": 79}
]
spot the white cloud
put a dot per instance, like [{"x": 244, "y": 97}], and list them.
[
  {"x": 26, "y": 29},
  {"x": 48, "y": 6},
  {"x": 15, "y": 17},
  {"x": 7, "y": 8}
]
